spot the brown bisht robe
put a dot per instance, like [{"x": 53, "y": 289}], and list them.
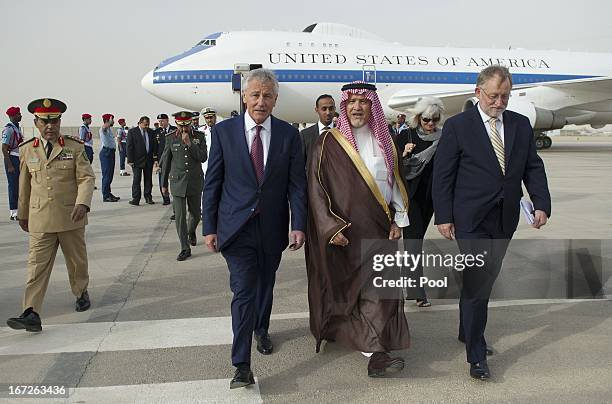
[{"x": 341, "y": 190}]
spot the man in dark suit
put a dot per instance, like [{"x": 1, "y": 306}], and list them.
[
  {"x": 325, "y": 107},
  {"x": 160, "y": 137},
  {"x": 255, "y": 175},
  {"x": 142, "y": 156},
  {"x": 483, "y": 156}
]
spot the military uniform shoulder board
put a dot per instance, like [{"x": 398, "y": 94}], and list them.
[
  {"x": 76, "y": 139},
  {"x": 25, "y": 142},
  {"x": 171, "y": 133}
]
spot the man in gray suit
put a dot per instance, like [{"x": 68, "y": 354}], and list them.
[{"x": 325, "y": 107}]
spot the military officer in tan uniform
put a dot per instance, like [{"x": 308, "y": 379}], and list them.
[
  {"x": 182, "y": 160},
  {"x": 56, "y": 184}
]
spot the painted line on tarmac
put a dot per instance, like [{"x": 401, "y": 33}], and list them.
[
  {"x": 168, "y": 333},
  {"x": 196, "y": 391}
]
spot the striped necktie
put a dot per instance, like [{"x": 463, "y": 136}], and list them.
[
  {"x": 257, "y": 154},
  {"x": 498, "y": 146}
]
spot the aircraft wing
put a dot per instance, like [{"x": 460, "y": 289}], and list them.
[{"x": 554, "y": 95}]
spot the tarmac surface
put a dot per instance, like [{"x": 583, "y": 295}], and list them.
[{"x": 160, "y": 330}]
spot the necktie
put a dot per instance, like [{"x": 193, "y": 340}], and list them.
[
  {"x": 257, "y": 154},
  {"x": 49, "y": 147},
  {"x": 325, "y": 129},
  {"x": 498, "y": 146},
  {"x": 146, "y": 141}
]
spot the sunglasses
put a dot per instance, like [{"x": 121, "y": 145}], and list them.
[{"x": 427, "y": 120}]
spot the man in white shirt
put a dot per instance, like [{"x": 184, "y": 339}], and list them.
[{"x": 325, "y": 107}]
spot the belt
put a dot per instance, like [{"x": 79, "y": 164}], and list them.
[{"x": 107, "y": 148}]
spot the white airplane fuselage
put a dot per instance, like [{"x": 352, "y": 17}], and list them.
[{"x": 309, "y": 64}]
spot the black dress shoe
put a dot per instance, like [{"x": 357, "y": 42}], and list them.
[
  {"x": 183, "y": 255},
  {"x": 192, "y": 239},
  {"x": 166, "y": 202},
  {"x": 480, "y": 370},
  {"x": 488, "y": 349},
  {"x": 29, "y": 320},
  {"x": 109, "y": 199},
  {"x": 264, "y": 344},
  {"x": 114, "y": 197},
  {"x": 242, "y": 378},
  {"x": 381, "y": 364},
  {"x": 172, "y": 217},
  {"x": 83, "y": 303},
  {"x": 134, "y": 202}
]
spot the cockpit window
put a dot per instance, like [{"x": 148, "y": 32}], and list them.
[{"x": 207, "y": 42}]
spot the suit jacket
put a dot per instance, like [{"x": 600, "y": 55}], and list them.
[
  {"x": 232, "y": 194},
  {"x": 49, "y": 188},
  {"x": 468, "y": 181},
  {"x": 136, "y": 148},
  {"x": 309, "y": 136}
]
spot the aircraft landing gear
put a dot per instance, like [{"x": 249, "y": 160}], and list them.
[{"x": 542, "y": 141}]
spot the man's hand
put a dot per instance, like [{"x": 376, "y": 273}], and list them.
[
  {"x": 78, "y": 213},
  {"x": 23, "y": 223},
  {"x": 211, "y": 242},
  {"x": 395, "y": 232},
  {"x": 447, "y": 230},
  {"x": 539, "y": 219},
  {"x": 408, "y": 149},
  {"x": 296, "y": 240},
  {"x": 186, "y": 139},
  {"x": 10, "y": 168},
  {"x": 131, "y": 163},
  {"x": 340, "y": 240}
]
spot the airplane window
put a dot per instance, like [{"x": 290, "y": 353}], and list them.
[
  {"x": 207, "y": 77},
  {"x": 299, "y": 44}
]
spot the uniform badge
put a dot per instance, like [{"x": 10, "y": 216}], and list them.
[
  {"x": 34, "y": 160},
  {"x": 66, "y": 154}
]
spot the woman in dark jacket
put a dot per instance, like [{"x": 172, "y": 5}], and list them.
[{"x": 417, "y": 147}]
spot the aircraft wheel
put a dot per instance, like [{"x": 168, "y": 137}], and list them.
[
  {"x": 547, "y": 142},
  {"x": 539, "y": 143}
]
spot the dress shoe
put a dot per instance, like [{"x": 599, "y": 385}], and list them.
[
  {"x": 480, "y": 370},
  {"x": 488, "y": 349},
  {"x": 172, "y": 217},
  {"x": 166, "y": 201},
  {"x": 381, "y": 363},
  {"x": 264, "y": 344},
  {"x": 83, "y": 303},
  {"x": 29, "y": 320},
  {"x": 183, "y": 255},
  {"x": 134, "y": 202},
  {"x": 242, "y": 378},
  {"x": 109, "y": 199},
  {"x": 115, "y": 197},
  {"x": 192, "y": 239},
  {"x": 150, "y": 202}
]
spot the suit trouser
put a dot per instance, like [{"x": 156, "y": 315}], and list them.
[
  {"x": 252, "y": 277},
  {"x": 186, "y": 217},
  {"x": 478, "y": 281},
  {"x": 90, "y": 154},
  {"x": 122, "y": 155},
  {"x": 43, "y": 249},
  {"x": 420, "y": 214},
  {"x": 138, "y": 174},
  {"x": 13, "y": 182},
  {"x": 107, "y": 163}
]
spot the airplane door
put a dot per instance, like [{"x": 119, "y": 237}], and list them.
[{"x": 369, "y": 74}]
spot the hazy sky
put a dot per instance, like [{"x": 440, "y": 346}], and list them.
[{"x": 93, "y": 54}]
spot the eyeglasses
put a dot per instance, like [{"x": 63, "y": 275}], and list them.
[
  {"x": 427, "y": 120},
  {"x": 494, "y": 98},
  {"x": 47, "y": 121}
]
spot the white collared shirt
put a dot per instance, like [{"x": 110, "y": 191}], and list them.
[
  {"x": 499, "y": 123},
  {"x": 374, "y": 159},
  {"x": 321, "y": 126},
  {"x": 265, "y": 134}
]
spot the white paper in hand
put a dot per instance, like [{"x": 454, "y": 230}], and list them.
[{"x": 527, "y": 208}]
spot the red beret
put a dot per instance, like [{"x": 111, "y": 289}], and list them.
[
  {"x": 12, "y": 111},
  {"x": 85, "y": 116},
  {"x": 121, "y": 121},
  {"x": 107, "y": 117}
]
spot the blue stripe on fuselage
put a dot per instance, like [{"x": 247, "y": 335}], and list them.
[
  {"x": 191, "y": 51},
  {"x": 345, "y": 76}
]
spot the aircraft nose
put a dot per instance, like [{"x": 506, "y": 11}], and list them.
[{"x": 147, "y": 82}]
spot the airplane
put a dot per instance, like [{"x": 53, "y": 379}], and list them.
[{"x": 552, "y": 88}]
